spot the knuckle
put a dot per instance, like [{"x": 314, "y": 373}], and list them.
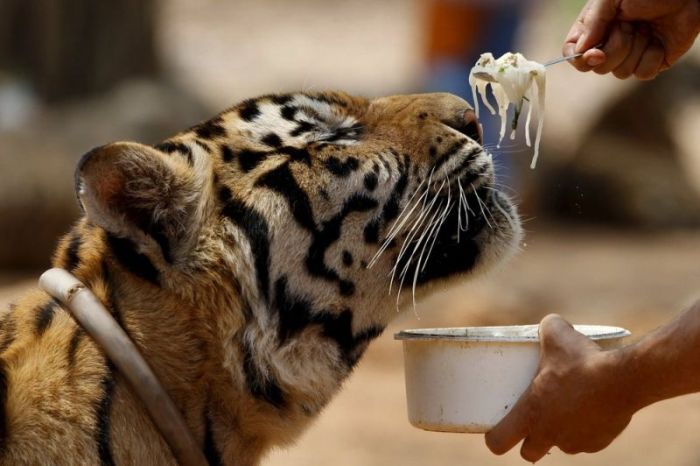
[
  {"x": 544, "y": 377},
  {"x": 547, "y": 377}
]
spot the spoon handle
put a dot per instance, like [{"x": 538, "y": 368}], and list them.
[
  {"x": 570, "y": 57},
  {"x": 562, "y": 59}
]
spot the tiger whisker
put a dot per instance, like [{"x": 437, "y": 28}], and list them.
[
  {"x": 501, "y": 188},
  {"x": 406, "y": 212},
  {"x": 442, "y": 220},
  {"x": 403, "y": 213},
  {"x": 434, "y": 224},
  {"x": 429, "y": 228},
  {"x": 435, "y": 227},
  {"x": 421, "y": 215},
  {"x": 409, "y": 237},
  {"x": 486, "y": 207},
  {"x": 396, "y": 228},
  {"x": 463, "y": 202},
  {"x": 424, "y": 236},
  {"x": 481, "y": 206},
  {"x": 506, "y": 215},
  {"x": 459, "y": 216},
  {"x": 436, "y": 231}
]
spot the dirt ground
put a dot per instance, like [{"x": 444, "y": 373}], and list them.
[{"x": 634, "y": 280}]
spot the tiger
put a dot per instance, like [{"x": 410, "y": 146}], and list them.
[{"x": 252, "y": 259}]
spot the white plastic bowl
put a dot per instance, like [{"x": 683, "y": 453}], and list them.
[{"x": 467, "y": 379}]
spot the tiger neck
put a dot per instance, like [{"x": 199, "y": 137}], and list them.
[
  {"x": 239, "y": 361},
  {"x": 168, "y": 331}
]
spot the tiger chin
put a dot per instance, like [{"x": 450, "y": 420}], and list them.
[{"x": 250, "y": 259}]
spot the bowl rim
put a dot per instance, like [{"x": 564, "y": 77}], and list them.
[{"x": 504, "y": 333}]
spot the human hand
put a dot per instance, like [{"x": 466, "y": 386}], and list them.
[
  {"x": 575, "y": 402},
  {"x": 640, "y": 37}
]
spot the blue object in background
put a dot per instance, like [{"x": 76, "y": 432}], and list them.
[{"x": 451, "y": 74}]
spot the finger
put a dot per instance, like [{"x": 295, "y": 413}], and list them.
[
  {"x": 617, "y": 47},
  {"x": 551, "y": 327},
  {"x": 596, "y": 19},
  {"x": 578, "y": 63},
  {"x": 512, "y": 428},
  {"x": 577, "y": 28},
  {"x": 559, "y": 336},
  {"x": 627, "y": 67},
  {"x": 594, "y": 57},
  {"x": 652, "y": 59},
  {"x": 569, "y": 47},
  {"x": 591, "y": 58},
  {"x": 533, "y": 450}
]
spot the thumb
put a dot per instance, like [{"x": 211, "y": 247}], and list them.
[
  {"x": 558, "y": 337},
  {"x": 596, "y": 20}
]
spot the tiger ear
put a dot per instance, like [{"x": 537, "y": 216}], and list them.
[{"x": 138, "y": 192}]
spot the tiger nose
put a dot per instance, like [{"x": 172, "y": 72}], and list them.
[
  {"x": 466, "y": 123},
  {"x": 470, "y": 125}
]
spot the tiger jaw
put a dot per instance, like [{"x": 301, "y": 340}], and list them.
[{"x": 454, "y": 232}]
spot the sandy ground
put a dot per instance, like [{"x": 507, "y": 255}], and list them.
[{"x": 637, "y": 281}]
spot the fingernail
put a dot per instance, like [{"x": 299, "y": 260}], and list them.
[
  {"x": 595, "y": 61},
  {"x": 579, "y": 43},
  {"x": 627, "y": 28}
]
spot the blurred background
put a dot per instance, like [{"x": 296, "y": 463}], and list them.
[{"x": 612, "y": 211}]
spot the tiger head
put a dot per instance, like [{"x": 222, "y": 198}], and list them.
[{"x": 302, "y": 221}]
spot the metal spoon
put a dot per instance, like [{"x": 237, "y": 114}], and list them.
[
  {"x": 571, "y": 57},
  {"x": 562, "y": 59}
]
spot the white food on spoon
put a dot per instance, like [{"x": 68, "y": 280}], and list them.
[{"x": 513, "y": 79}]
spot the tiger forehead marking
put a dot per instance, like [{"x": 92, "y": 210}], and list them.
[{"x": 253, "y": 258}]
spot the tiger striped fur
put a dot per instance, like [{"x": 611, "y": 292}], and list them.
[{"x": 252, "y": 258}]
